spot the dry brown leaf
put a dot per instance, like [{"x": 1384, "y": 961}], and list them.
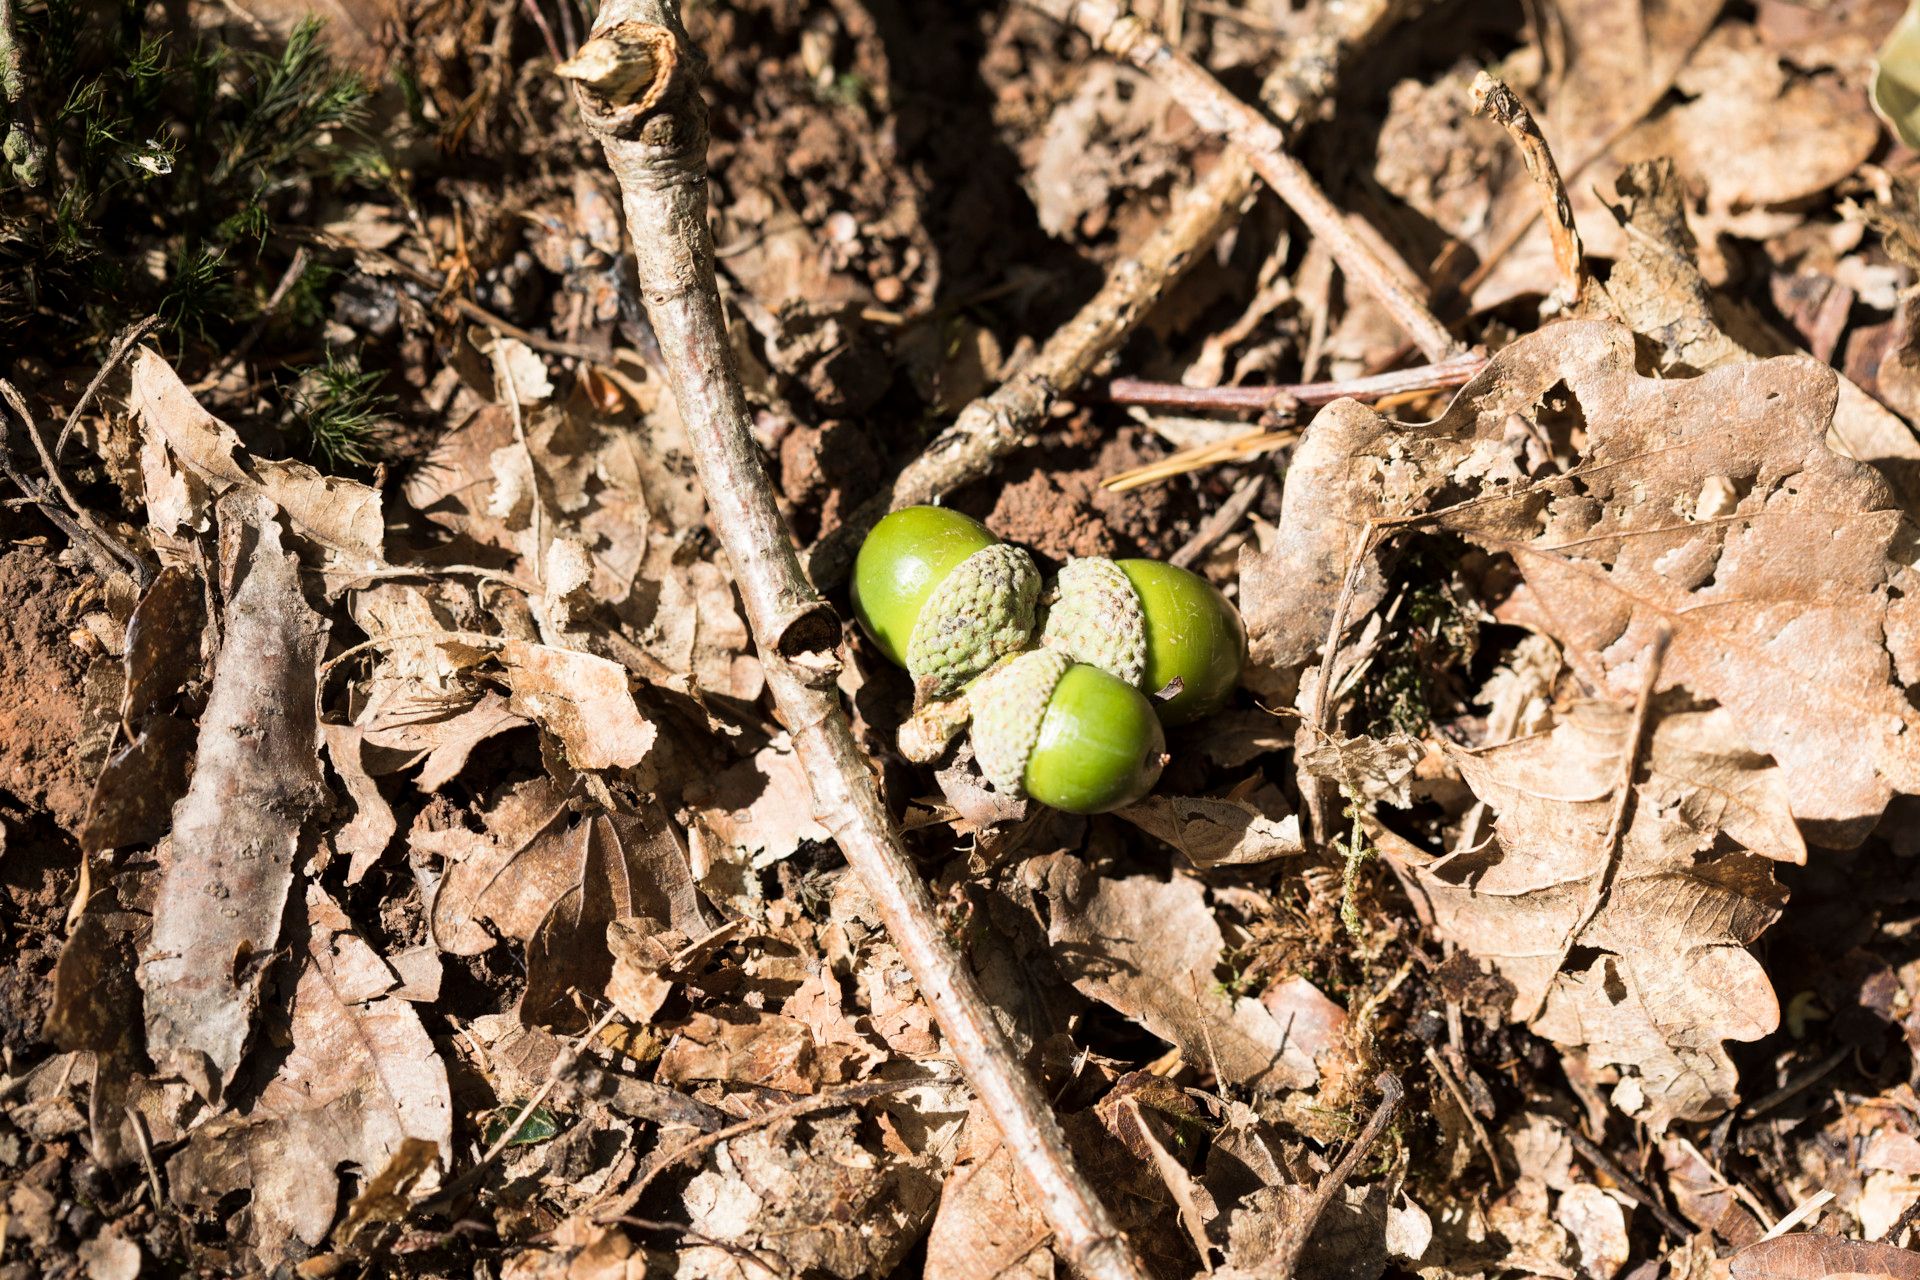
[
  {"x": 507, "y": 879},
  {"x": 1639, "y": 956},
  {"x": 1710, "y": 506},
  {"x": 236, "y": 833},
  {"x": 95, "y": 1007},
  {"x": 817, "y": 1197},
  {"x": 1657, "y": 288},
  {"x": 1598, "y": 1224},
  {"x": 988, "y": 1223},
  {"x": 1816, "y": 1257},
  {"x": 1705, "y": 1197},
  {"x": 358, "y": 1080},
  {"x": 762, "y": 808},
  {"x": 1149, "y": 949},
  {"x": 621, "y": 865},
  {"x": 742, "y": 1047},
  {"x": 507, "y": 875},
  {"x": 1753, "y": 132},
  {"x": 110, "y": 1256},
  {"x": 138, "y": 785},
  {"x": 1108, "y": 136},
  {"x": 371, "y": 829},
  {"x": 1616, "y": 60},
  {"x": 341, "y": 519},
  {"x": 1373, "y": 770},
  {"x": 580, "y": 699},
  {"x": 1223, "y": 831}
]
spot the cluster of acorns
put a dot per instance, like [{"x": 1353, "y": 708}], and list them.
[{"x": 1066, "y": 688}]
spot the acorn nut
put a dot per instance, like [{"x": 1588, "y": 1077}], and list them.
[
  {"x": 1067, "y": 734},
  {"x": 942, "y": 596},
  {"x": 1149, "y": 624}
]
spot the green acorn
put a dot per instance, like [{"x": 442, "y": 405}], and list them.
[
  {"x": 943, "y": 597},
  {"x": 1149, "y": 624},
  {"x": 1067, "y": 734}
]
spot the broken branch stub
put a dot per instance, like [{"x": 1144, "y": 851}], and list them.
[{"x": 654, "y": 130}]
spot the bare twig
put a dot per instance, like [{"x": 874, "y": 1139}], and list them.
[
  {"x": 1492, "y": 97},
  {"x": 1287, "y": 1257},
  {"x": 1370, "y": 266},
  {"x": 1454, "y": 371},
  {"x": 1590, "y": 1151},
  {"x": 122, "y": 344},
  {"x": 562, "y": 1066},
  {"x": 1654, "y": 658},
  {"x": 1220, "y": 523},
  {"x": 654, "y": 129},
  {"x": 997, "y": 425},
  {"x": 1460, "y": 1099},
  {"x": 82, "y": 519},
  {"x": 845, "y": 1096}
]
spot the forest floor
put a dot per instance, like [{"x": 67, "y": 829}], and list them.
[{"x": 406, "y": 872}]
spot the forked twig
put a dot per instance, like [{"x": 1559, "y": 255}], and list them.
[
  {"x": 1370, "y": 266},
  {"x": 637, "y": 85},
  {"x": 998, "y": 424},
  {"x": 1287, "y": 1259}
]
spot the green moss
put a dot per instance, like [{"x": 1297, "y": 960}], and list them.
[
  {"x": 1434, "y": 635},
  {"x": 339, "y": 411},
  {"x": 167, "y": 166}
]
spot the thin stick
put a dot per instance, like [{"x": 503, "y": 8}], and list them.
[
  {"x": 121, "y": 346},
  {"x": 997, "y": 425},
  {"x": 1809, "y": 1208},
  {"x": 845, "y": 1096},
  {"x": 1461, "y": 1100},
  {"x": 1373, "y": 267},
  {"x": 558, "y": 1071},
  {"x": 1287, "y": 1259},
  {"x": 1455, "y": 371},
  {"x": 114, "y": 548},
  {"x": 1591, "y": 1152},
  {"x": 1493, "y": 98},
  {"x": 1220, "y": 523},
  {"x": 654, "y": 129}
]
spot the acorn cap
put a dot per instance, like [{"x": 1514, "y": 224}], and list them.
[
  {"x": 978, "y": 614},
  {"x": 1008, "y": 705},
  {"x": 1096, "y": 617}
]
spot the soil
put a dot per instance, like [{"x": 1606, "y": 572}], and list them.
[{"x": 43, "y": 712}]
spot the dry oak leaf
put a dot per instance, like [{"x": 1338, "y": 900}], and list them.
[
  {"x": 1755, "y": 132},
  {"x": 1225, "y": 831},
  {"x": 624, "y": 865},
  {"x": 1710, "y": 506},
  {"x": 818, "y": 1197},
  {"x": 360, "y": 1078},
  {"x": 580, "y": 699},
  {"x": 217, "y": 916},
  {"x": 506, "y": 879},
  {"x": 339, "y": 517},
  {"x": 1639, "y": 956},
  {"x": 989, "y": 1223},
  {"x": 1148, "y": 948},
  {"x": 1819, "y": 1257}
]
